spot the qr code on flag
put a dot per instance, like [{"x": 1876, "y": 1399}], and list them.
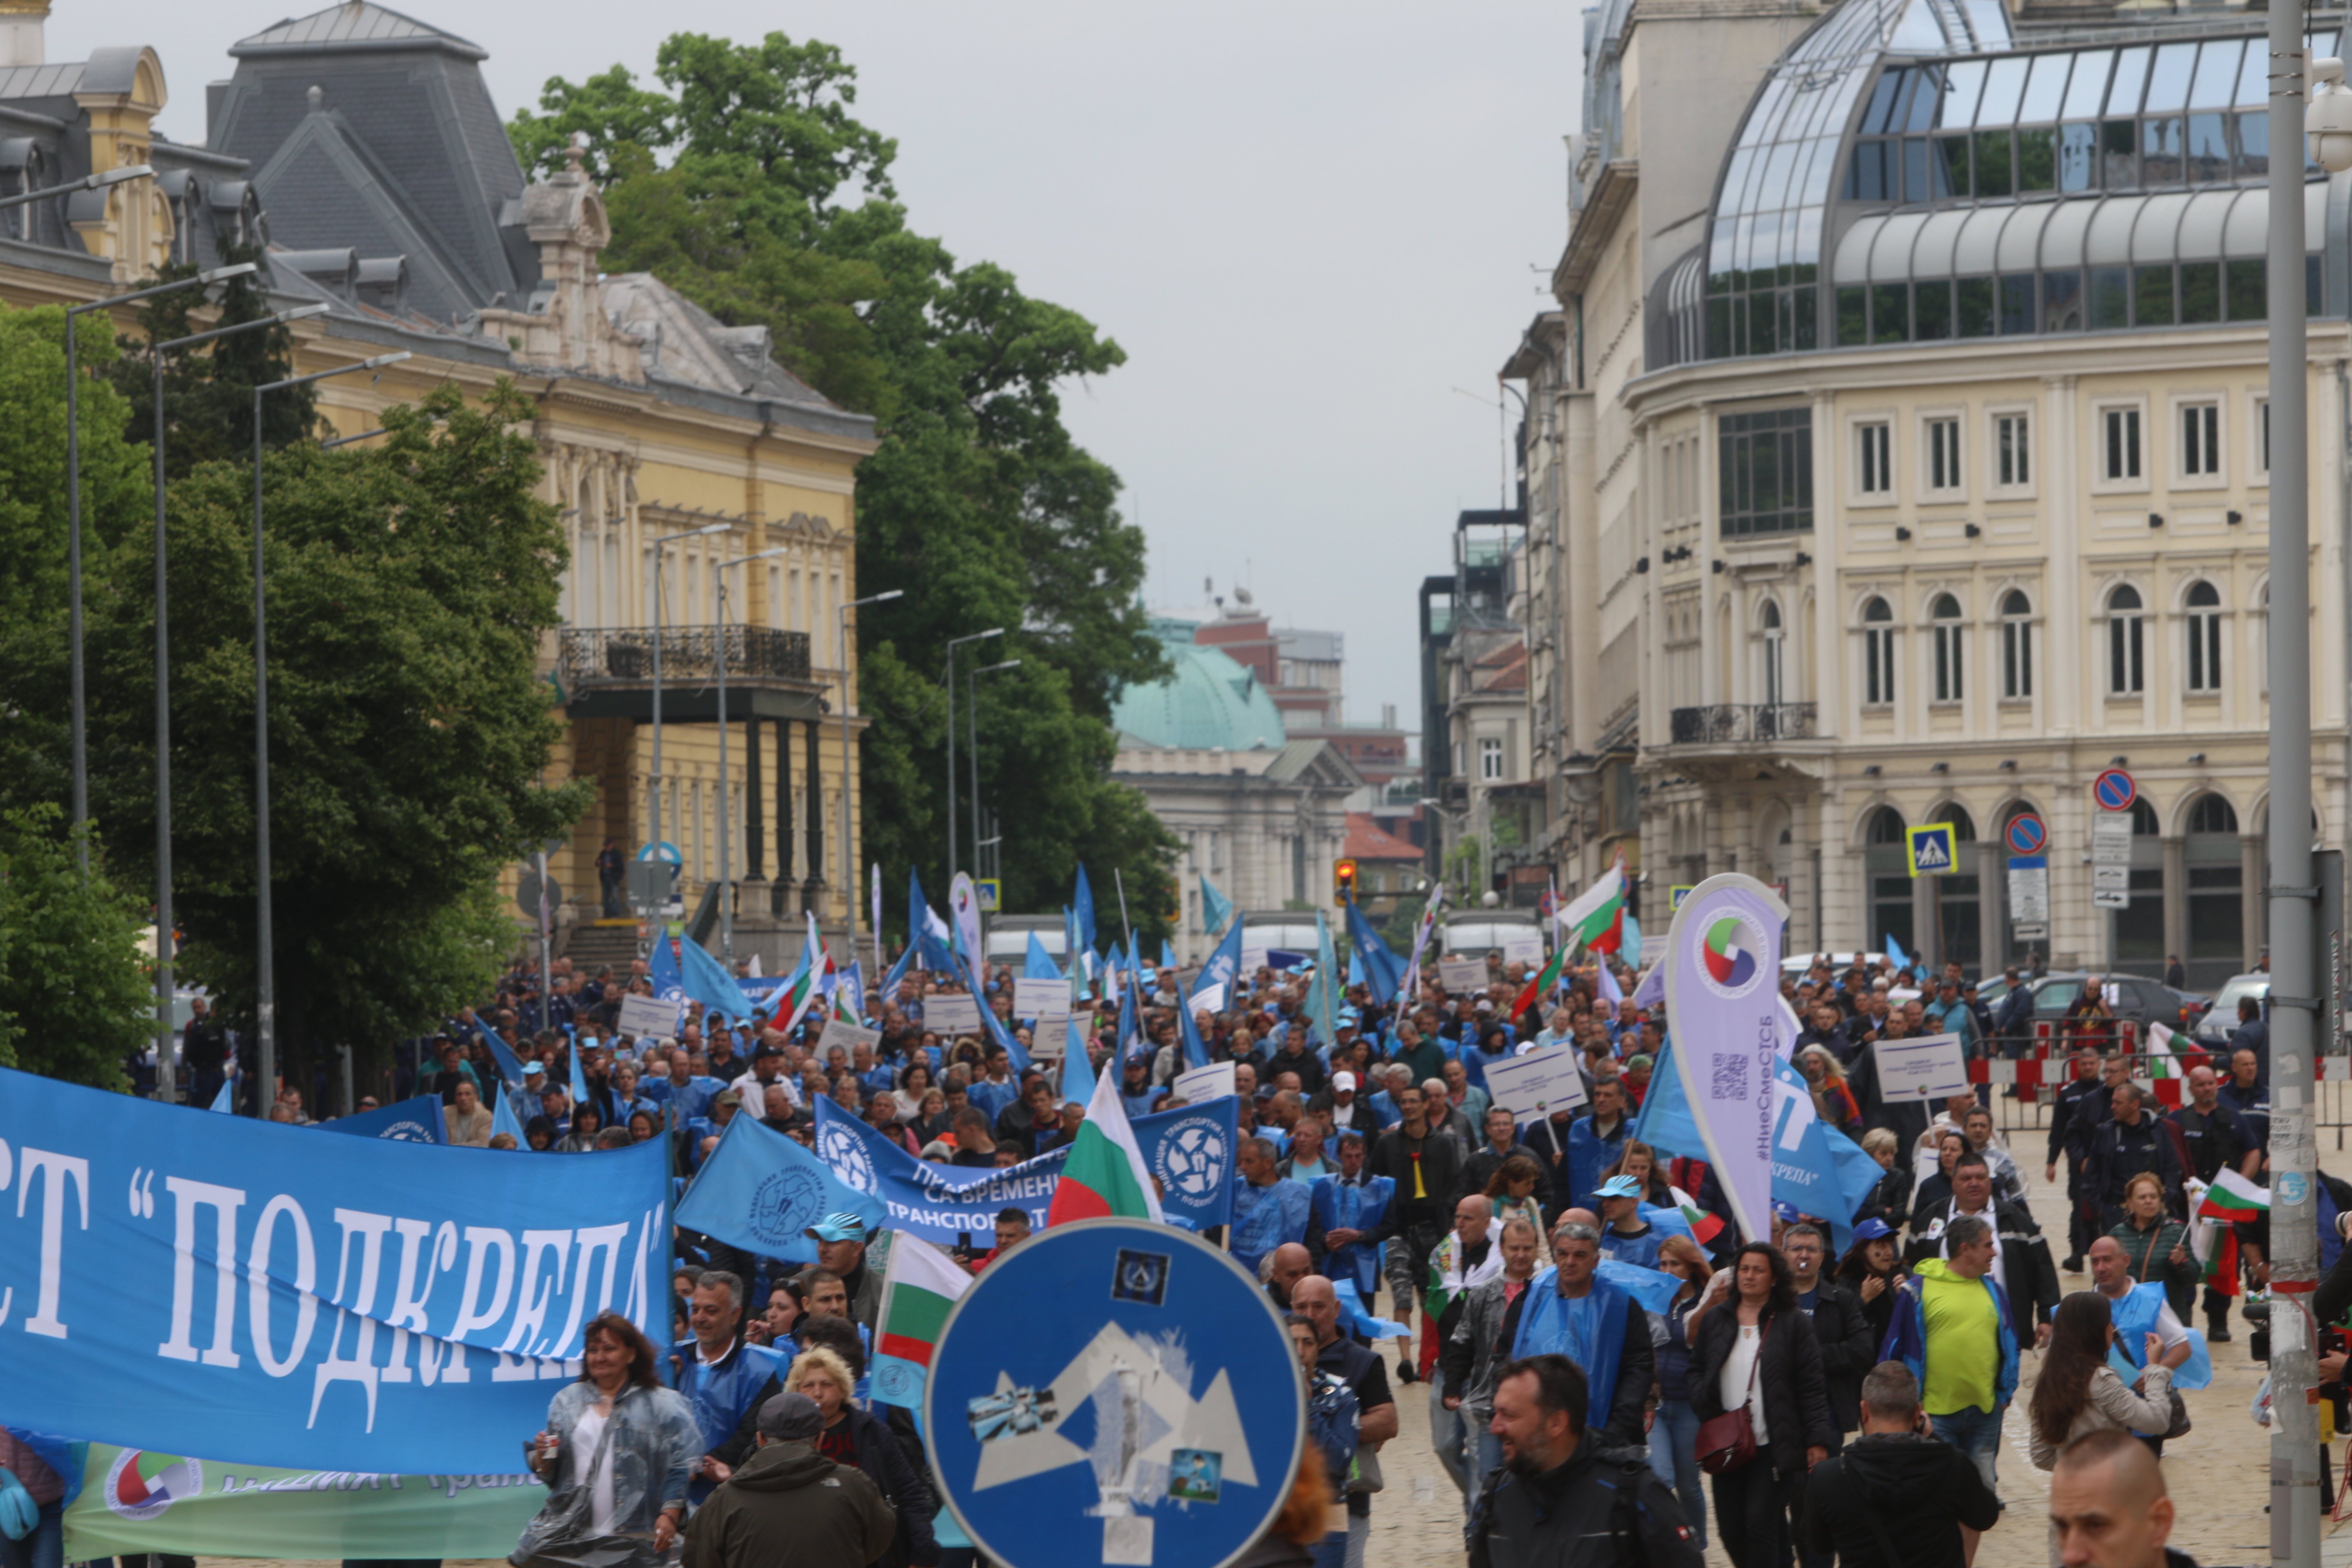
[{"x": 1730, "y": 1079}]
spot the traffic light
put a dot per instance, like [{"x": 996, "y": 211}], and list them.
[{"x": 1343, "y": 882}]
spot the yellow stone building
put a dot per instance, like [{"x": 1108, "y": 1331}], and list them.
[{"x": 362, "y": 147}]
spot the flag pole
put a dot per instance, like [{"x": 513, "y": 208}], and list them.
[{"x": 1119, "y": 882}]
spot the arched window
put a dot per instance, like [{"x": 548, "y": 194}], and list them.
[
  {"x": 2125, "y": 662},
  {"x": 2016, "y": 646},
  {"x": 2204, "y": 637},
  {"x": 2212, "y": 814},
  {"x": 1878, "y": 654},
  {"x": 2144, "y": 822},
  {"x": 1945, "y": 613},
  {"x": 1887, "y": 826},
  {"x": 1773, "y": 683}
]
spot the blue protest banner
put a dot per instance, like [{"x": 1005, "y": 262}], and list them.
[
  {"x": 759, "y": 1189},
  {"x": 1654, "y": 1287},
  {"x": 1039, "y": 964},
  {"x": 1225, "y": 962},
  {"x": 708, "y": 981},
  {"x": 414, "y": 1120},
  {"x": 1188, "y": 1028},
  {"x": 1382, "y": 972},
  {"x": 1081, "y": 913},
  {"x": 1191, "y": 1151},
  {"x": 1015, "y": 1052},
  {"x": 219, "y": 1285},
  {"x": 502, "y": 1119},
  {"x": 1215, "y": 908},
  {"x": 1080, "y": 1411}
]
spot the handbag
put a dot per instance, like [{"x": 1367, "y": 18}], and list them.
[
  {"x": 1727, "y": 1442},
  {"x": 2180, "y": 1423}
]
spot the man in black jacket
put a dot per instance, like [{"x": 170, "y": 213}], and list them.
[
  {"x": 1896, "y": 1497},
  {"x": 2080, "y": 1105},
  {"x": 1426, "y": 1165},
  {"x": 2127, "y": 1143},
  {"x": 1502, "y": 1143},
  {"x": 1560, "y": 1501}
]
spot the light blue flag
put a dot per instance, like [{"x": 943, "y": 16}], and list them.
[
  {"x": 1370, "y": 1327},
  {"x": 893, "y": 980},
  {"x": 759, "y": 1190},
  {"x": 1196, "y": 1049},
  {"x": 1605, "y": 983},
  {"x": 1895, "y": 951},
  {"x": 1224, "y": 965},
  {"x": 1215, "y": 908},
  {"x": 1040, "y": 965},
  {"x": 662, "y": 971},
  {"x": 579, "y": 1084},
  {"x": 1082, "y": 910},
  {"x": 1016, "y": 1054},
  {"x": 1629, "y": 946},
  {"x": 1323, "y": 1000},
  {"x": 849, "y": 990},
  {"x": 1167, "y": 954},
  {"x": 502, "y": 1119},
  {"x": 226, "y": 1100},
  {"x": 1131, "y": 1027},
  {"x": 1077, "y": 1069},
  {"x": 416, "y": 1121},
  {"x": 1654, "y": 1287},
  {"x": 1653, "y": 988},
  {"x": 1355, "y": 969},
  {"x": 1382, "y": 972},
  {"x": 708, "y": 981},
  {"x": 510, "y": 1069}
]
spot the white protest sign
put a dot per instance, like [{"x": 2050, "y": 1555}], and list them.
[
  {"x": 1035, "y": 998},
  {"x": 1210, "y": 999},
  {"x": 1461, "y": 976},
  {"x": 1929, "y": 1067},
  {"x": 649, "y": 1018},
  {"x": 847, "y": 1036},
  {"x": 1214, "y": 1081},
  {"x": 1526, "y": 947},
  {"x": 1536, "y": 1084},
  {"x": 1253, "y": 957},
  {"x": 957, "y": 1014}
]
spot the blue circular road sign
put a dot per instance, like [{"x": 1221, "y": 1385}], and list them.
[
  {"x": 1117, "y": 1391},
  {"x": 2027, "y": 834},
  {"x": 2114, "y": 790},
  {"x": 664, "y": 850}
]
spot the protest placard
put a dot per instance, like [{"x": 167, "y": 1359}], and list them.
[
  {"x": 1526, "y": 947},
  {"x": 1536, "y": 1084},
  {"x": 957, "y": 1014},
  {"x": 1035, "y": 998},
  {"x": 1461, "y": 976},
  {"x": 1927, "y": 1068},
  {"x": 847, "y": 1036},
  {"x": 1214, "y": 1081},
  {"x": 649, "y": 1018}
]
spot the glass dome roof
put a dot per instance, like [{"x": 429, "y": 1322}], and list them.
[{"x": 1212, "y": 703}]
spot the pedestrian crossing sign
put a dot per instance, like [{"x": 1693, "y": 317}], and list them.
[{"x": 1932, "y": 850}]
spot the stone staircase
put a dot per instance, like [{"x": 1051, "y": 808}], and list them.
[{"x": 590, "y": 946}]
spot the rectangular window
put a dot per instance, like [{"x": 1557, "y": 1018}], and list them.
[
  {"x": 2152, "y": 304},
  {"x": 2017, "y": 660},
  {"x": 2037, "y": 160},
  {"x": 2110, "y": 298},
  {"x": 2118, "y": 154},
  {"x": 1890, "y": 313},
  {"x": 2245, "y": 286},
  {"x": 1932, "y": 312},
  {"x": 2161, "y": 150},
  {"x": 2201, "y": 439},
  {"x": 1951, "y": 169},
  {"x": 1852, "y": 317},
  {"x": 2123, "y": 671},
  {"x": 1875, "y": 449},
  {"x": 1766, "y": 461},
  {"x": 2205, "y": 653},
  {"x": 1947, "y": 661},
  {"x": 1877, "y": 666},
  {"x": 1976, "y": 318},
  {"x": 2017, "y": 313},
  {"x": 2062, "y": 301},
  {"x": 1993, "y": 163},
  {"x": 1943, "y": 454},
  {"x": 2120, "y": 451},
  {"x": 2078, "y": 158},
  {"x": 2012, "y": 451},
  {"x": 2200, "y": 292},
  {"x": 1490, "y": 760},
  {"x": 2263, "y": 432}
]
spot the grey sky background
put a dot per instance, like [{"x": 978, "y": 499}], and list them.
[{"x": 1307, "y": 223}]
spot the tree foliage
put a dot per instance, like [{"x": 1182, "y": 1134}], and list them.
[
  {"x": 209, "y": 387},
  {"x": 75, "y": 1002},
  {"x": 750, "y": 185}
]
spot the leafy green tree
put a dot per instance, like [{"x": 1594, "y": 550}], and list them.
[
  {"x": 75, "y": 999},
  {"x": 750, "y": 187},
  {"x": 409, "y": 587},
  {"x": 208, "y": 388}
]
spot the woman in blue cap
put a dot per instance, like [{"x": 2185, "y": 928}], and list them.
[{"x": 1875, "y": 1272}]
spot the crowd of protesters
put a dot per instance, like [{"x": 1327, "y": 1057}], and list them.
[{"x": 1789, "y": 1396}]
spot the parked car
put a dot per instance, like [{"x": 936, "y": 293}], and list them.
[
  {"x": 2213, "y": 1030},
  {"x": 1795, "y": 965},
  {"x": 2142, "y": 1001}
]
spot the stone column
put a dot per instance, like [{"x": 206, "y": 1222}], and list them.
[
  {"x": 2254, "y": 867},
  {"x": 2176, "y": 899},
  {"x": 783, "y": 813},
  {"x": 1993, "y": 908},
  {"x": 812, "y": 890}
]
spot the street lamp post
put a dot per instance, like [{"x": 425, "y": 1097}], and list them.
[
  {"x": 73, "y": 500},
  {"x": 87, "y": 182},
  {"x": 653, "y": 794},
  {"x": 164, "y": 1075},
  {"x": 265, "y": 956},
  {"x": 971, "y": 736},
  {"x": 725, "y": 794},
  {"x": 848, "y": 795},
  {"x": 953, "y": 644}
]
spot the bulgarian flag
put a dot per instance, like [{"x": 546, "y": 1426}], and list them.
[
  {"x": 2165, "y": 1066},
  {"x": 1705, "y": 1226},
  {"x": 1597, "y": 916},
  {"x": 2231, "y": 1198},
  {"x": 1542, "y": 984},
  {"x": 1105, "y": 1175},
  {"x": 2213, "y": 1237},
  {"x": 918, "y": 1287}
]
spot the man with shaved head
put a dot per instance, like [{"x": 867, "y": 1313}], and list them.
[
  {"x": 1284, "y": 1267},
  {"x": 2108, "y": 1507},
  {"x": 1362, "y": 1371}
]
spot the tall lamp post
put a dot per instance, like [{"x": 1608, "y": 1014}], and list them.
[
  {"x": 2297, "y": 999},
  {"x": 164, "y": 1074},
  {"x": 848, "y": 795},
  {"x": 953, "y": 644},
  {"x": 73, "y": 493},
  {"x": 265, "y": 957},
  {"x": 653, "y": 795},
  {"x": 726, "y": 799},
  {"x": 971, "y": 738}
]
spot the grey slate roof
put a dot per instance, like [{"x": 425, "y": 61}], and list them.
[
  {"x": 356, "y": 24},
  {"x": 686, "y": 343}
]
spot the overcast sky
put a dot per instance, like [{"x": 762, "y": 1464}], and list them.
[{"x": 1307, "y": 223}]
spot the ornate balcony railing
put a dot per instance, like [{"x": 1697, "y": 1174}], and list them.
[
  {"x": 1749, "y": 723},
  {"x": 596, "y": 656}
]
